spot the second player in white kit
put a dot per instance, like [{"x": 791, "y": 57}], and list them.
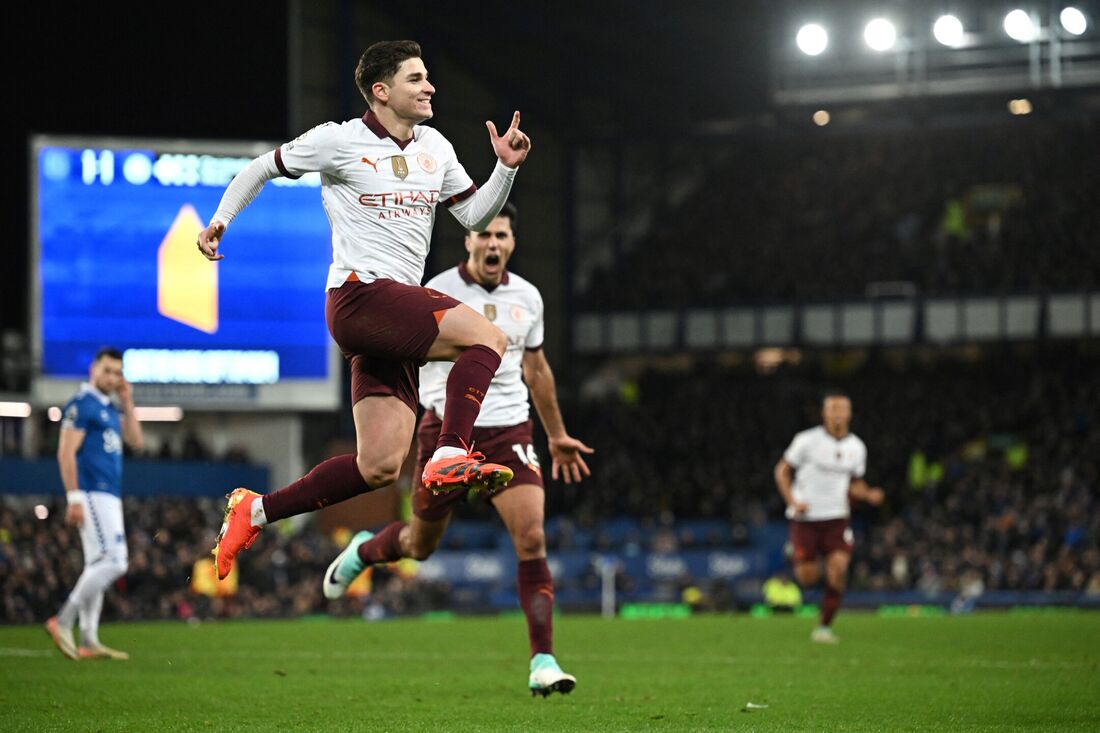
[{"x": 503, "y": 432}]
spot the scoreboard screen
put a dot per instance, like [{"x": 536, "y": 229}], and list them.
[{"x": 115, "y": 223}]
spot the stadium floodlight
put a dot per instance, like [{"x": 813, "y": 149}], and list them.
[
  {"x": 880, "y": 34},
  {"x": 1019, "y": 26},
  {"x": 948, "y": 30},
  {"x": 1073, "y": 20},
  {"x": 812, "y": 39}
]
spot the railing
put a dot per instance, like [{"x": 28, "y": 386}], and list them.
[{"x": 868, "y": 322}]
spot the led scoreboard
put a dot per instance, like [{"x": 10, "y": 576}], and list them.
[{"x": 114, "y": 224}]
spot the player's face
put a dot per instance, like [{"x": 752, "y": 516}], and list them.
[
  {"x": 106, "y": 375},
  {"x": 410, "y": 94},
  {"x": 490, "y": 250},
  {"x": 837, "y": 415}
]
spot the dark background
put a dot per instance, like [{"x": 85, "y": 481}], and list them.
[{"x": 207, "y": 71}]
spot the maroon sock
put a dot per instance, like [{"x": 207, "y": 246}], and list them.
[
  {"x": 466, "y": 385},
  {"x": 536, "y": 597},
  {"x": 829, "y": 605},
  {"x": 384, "y": 546},
  {"x": 329, "y": 482}
]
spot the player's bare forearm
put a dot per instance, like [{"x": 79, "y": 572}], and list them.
[
  {"x": 66, "y": 463},
  {"x": 783, "y": 481},
  {"x": 131, "y": 430},
  {"x": 859, "y": 490},
  {"x": 132, "y": 434},
  {"x": 565, "y": 451},
  {"x": 544, "y": 395}
]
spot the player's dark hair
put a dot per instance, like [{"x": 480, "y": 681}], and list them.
[
  {"x": 509, "y": 212},
  {"x": 834, "y": 393},
  {"x": 379, "y": 63},
  {"x": 107, "y": 352}
]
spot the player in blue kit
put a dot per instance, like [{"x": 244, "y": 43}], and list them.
[{"x": 89, "y": 454}]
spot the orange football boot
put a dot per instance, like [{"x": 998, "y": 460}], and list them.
[
  {"x": 465, "y": 472},
  {"x": 237, "y": 533}
]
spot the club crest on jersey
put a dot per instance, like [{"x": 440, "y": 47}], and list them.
[
  {"x": 490, "y": 311},
  {"x": 400, "y": 167},
  {"x": 426, "y": 162}
]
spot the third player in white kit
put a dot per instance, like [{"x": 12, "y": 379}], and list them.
[
  {"x": 503, "y": 432},
  {"x": 827, "y": 463}
]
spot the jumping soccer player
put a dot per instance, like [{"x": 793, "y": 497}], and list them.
[{"x": 381, "y": 179}]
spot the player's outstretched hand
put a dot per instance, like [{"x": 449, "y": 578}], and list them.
[
  {"x": 209, "y": 239},
  {"x": 513, "y": 146},
  {"x": 565, "y": 454},
  {"x": 876, "y": 496}
]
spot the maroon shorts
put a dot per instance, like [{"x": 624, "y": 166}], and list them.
[
  {"x": 384, "y": 329},
  {"x": 502, "y": 445},
  {"x": 820, "y": 539}
]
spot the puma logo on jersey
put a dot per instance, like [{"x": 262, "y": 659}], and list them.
[{"x": 371, "y": 163}]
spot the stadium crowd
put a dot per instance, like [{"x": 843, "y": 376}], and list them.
[
  {"x": 990, "y": 468},
  {"x": 1002, "y": 209}
]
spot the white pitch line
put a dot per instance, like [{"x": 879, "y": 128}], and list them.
[{"x": 6, "y": 651}]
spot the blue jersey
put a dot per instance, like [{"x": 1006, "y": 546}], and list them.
[{"x": 99, "y": 460}]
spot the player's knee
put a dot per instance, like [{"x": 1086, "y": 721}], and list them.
[
  {"x": 806, "y": 576},
  {"x": 378, "y": 473},
  {"x": 530, "y": 542},
  {"x": 423, "y": 548},
  {"x": 495, "y": 339},
  {"x": 120, "y": 566}
]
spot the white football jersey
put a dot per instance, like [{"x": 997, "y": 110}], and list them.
[
  {"x": 514, "y": 306},
  {"x": 379, "y": 193},
  {"x": 824, "y": 468}
]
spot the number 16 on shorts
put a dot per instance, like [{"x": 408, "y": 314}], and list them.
[{"x": 528, "y": 456}]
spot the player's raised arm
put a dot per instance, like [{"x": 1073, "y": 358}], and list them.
[
  {"x": 132, "y": 433},
  {"x": 242, "y": 191},
  {"x": 476, "y": 212}
]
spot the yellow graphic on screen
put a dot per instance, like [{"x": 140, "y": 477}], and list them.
[{"x": 187, "y": 283}]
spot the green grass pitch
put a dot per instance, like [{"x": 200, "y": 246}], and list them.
[{"x": 986, "y": 672}]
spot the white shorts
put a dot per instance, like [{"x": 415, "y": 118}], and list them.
[{"x": 103, "y": 534}]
